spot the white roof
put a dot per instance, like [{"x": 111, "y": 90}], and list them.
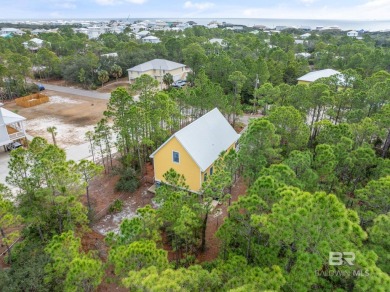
[
  {"x": 35, "y": 40},
  {"x": 303, "y": 54},
  {"x": 151, "y": 38},
  {"x": 10, "y": 29},
  {"x": 205, "y": 138},
  {"x": 156, "y": 64},
  {"x": 109, "y": 55},
  {"x": 219, "y": 41},
  {"x": 313, "y": 76},
  {"x": 143, "y": 33},
  {"x": 10, "y": 117}
]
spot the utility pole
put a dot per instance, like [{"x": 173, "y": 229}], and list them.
[{"x": 161, "y": 78}]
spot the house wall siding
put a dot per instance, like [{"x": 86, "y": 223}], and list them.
[
  {"x": 176, "y": 73},
  {"x": 233, "y": 146},
  {"x": 163, "y": 162},
  {"x": 304, "y": 82}
]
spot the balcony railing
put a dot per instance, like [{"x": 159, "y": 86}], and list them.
[{"x": 16, "y": 136}]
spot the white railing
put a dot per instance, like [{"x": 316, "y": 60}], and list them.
[{"x": 15, "y": 136}]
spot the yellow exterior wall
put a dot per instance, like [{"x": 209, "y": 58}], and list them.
[
  {"x": 233, "y": 146},
  {"x": 304, "y": 82},
  {"x": 157, "y": 73},
  {"x": 163, "y": 161},
  {"x": 339, "y": 88}
]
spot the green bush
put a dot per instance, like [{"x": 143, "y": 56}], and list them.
[
  {"x": 129, "y": 180},
  {"x": 117, "y": 206}
]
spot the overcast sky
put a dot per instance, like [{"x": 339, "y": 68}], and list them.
[{"x": 295, "y": 9}]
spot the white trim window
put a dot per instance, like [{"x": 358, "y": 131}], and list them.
[{"x": 175, "y": 157}]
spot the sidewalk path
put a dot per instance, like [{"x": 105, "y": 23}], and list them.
[{"x": 76, "y": 91}]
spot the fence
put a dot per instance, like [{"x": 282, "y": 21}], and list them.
[{"x": 32, "y": 100}]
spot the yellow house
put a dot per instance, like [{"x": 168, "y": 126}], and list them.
[
  {"x": 313, "y": 76},
  {"x": 193, "y": 150},
  {"x": 157, "y": 68}
]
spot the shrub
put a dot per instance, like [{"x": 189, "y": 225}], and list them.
[
  {"x": 129, "y": 181},
  {"x": 117, "y": 206}
]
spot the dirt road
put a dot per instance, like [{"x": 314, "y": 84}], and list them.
[{"x": 76, "y": 91}]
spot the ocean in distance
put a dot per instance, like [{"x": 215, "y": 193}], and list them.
[{"x": 368, "y": 25}]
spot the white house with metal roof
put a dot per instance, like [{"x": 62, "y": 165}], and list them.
[
  {"x": 151, "y": 39},
  {"x": 34, "y": 44},
  {"x": 315, "y": 75},
  {"x": 353, "y": 34},
  {"x": 303, "y": 55},
  {"x": 12, "y": 126},
  {"x": 157, "y": 68},
  {"x": 12, "y": 30},
  {"x": 193, "y": 150}
]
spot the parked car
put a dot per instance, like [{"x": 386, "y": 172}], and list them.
[
  {"x": 13, "y": 145},
  {"x": 40, "y": 87},
  {"x": 179, "y": 83}
]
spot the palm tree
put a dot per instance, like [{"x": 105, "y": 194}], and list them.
[
  {"x": 53, "y": 132},
  {"x": 116, "y": 71},
  {"x": 168, "y": 79},
  {"x": 103, "y": 76}
]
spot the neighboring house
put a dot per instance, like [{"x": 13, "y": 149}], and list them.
[
  {"x": 116, "y": 29},
  {"x": 305, "y": 35},
  {"x": 313, "y": 76},
  {"x": 221, "y": 42},
  {"x": 81, "y": 30},
  {"x": 110, "y": 55},
  {"x": 11, "y": 30},
  {"x": 193, "y": 150},
  {"x": 353, "y": 34},
  {"x": 157, "y": 68},
  {"x": 11, "y": 126},
  {"x": 38, "y": 31},
  {"x": 138, "y": 27},
  {"x": 95, "y": 31},
  {"x": 141, "y": 34},
  {"x": 259, "y": 26},
  {"x": 183, "y": 25},
  {"x": 299, "y": 42},
  {"x": 303, "y": 55},
  {"x": 151, "y": 39},
  {"x": 34, "y": 44}
]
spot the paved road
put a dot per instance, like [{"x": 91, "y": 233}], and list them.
[{"x": 76, "y": 91}]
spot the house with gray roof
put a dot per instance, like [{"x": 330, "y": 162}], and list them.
[
  {"x": 12, "y": 30},
  {"x": 151, "y": 39},
  {"x": 315, "y": 75},
  {"x": 34, "y": 44},
  {"x": 157, "y": 68}
]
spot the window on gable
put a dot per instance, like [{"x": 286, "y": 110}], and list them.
[
  {"x": 175, "y": 156},
  {"x": 205, "y": 177},
  {"x": 211, "y": 170}
]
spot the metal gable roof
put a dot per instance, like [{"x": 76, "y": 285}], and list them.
[
  {"x": 10, "y": 117},
  {"x": 156, "y": 64},
  {"x": 205, "y": 138},
  {"x": 313, "y": 76}
]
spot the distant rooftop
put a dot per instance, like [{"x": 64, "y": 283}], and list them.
[
  {"x": 313, "y": 76},
  {"x": 156, "y": 64}
]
